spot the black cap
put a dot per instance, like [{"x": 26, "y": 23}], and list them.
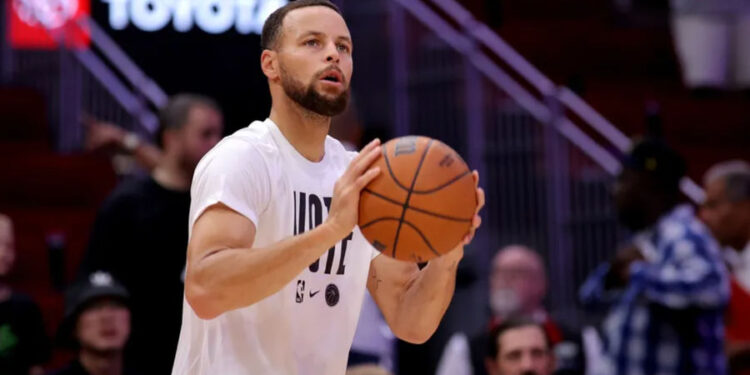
[
  {"x": 654, "y": 157},
  {"x": 98, "y": 285}
]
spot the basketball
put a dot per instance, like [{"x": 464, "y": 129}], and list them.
[{"x": 422, "y": 203}]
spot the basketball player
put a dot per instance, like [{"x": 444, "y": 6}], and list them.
[{"x": 276, "y": 267}]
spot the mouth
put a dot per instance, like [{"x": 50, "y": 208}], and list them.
[
  {"x": 333, "y": 76},
  {"x": 108, "y": 333}
]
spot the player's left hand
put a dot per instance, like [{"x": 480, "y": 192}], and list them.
[{"x": 477, "y": 221}]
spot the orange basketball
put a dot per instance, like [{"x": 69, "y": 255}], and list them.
[{"x": 422, "y": 203}]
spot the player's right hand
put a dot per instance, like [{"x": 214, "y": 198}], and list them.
[{"x": 344, "y": 211}]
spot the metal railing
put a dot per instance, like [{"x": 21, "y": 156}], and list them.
[{"x": 100, "y": 81}]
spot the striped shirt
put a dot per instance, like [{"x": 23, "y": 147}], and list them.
[{"x": 669, "y": 318}]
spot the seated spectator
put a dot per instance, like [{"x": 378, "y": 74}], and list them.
[
  {"x": 24, "y": 346},
  {"x": 726, "y": 211},
  {"x": 666, "y": 292},
  {"x": 97, "y": 323},
  {"x": 518, "y": 285},
  {"x": 140, "y": 234},
  {"x": 519, "y": 346}
]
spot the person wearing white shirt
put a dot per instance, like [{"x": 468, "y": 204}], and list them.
[{"x": 276, "y": 266}]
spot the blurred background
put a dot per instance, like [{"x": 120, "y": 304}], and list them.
[{"x": 543, "y": 97}]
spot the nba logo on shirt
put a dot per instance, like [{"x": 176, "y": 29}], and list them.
[{"x": 300, "y": 291}]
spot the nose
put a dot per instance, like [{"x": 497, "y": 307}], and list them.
[
  {"x": 332, "y": 53},
  {"x": 527, "y": 363}
]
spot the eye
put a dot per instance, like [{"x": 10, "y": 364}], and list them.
[
  {"x": 343, "y": 48},
  {"x": 312, "y": 43}
]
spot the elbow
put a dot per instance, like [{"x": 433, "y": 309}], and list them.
[{"x": 204, "y": 303}]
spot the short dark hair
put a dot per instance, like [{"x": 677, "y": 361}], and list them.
[
  {"x": 493, "y": 346},
  {"x": 272, "y": 26},
  {"x": 175, "y": 114}
]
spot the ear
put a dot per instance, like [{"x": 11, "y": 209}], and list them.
[{"x": 269, "y": 64}]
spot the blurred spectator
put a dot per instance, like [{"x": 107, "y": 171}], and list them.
[
  {"x": 141, "y": 232},
  {"x": 110, "y": 138},
  {"x": 667, "y": 291},
  {"x": 712, "y": 41},
  {"x": 726, "y": 211},
  {"x": 24, "y": 346},
  {"x": 97, "y": 323},
  {"x": 518, "y": 285},
  {"x": 519, "y": 346}
]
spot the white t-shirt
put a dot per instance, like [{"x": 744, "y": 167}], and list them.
[{"x": 306, "y": 327}]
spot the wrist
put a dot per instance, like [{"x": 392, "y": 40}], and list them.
[
  {"x": 130, "y": 142},
  {"x": 449, "y": 260},
  {"x": 331, "y": 233}
]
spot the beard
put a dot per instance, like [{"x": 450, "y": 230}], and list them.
[
  {"x": 311, "y": 99},
  {"x": 504, "y": 303}
]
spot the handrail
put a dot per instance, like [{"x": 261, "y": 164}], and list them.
[
  {"x": 123, "y": 63},
  {"x": 119, "y": 92},
  {"x": 476, "y": 31},
  {"x": 503, "y": 81},
  {"x": 128, "y": 100}
]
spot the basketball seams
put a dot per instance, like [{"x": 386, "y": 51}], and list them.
[
  {"x": 420, "y": 210},
  {"x": 383, "y": 197},
  {"x": 408, "y": 223},
  {"x": 390, "y": 171},
  {"x": 386, "y": 218},
  {"x": 450, "y": 182},
  {"x": 439, "y": 216},
  {"x": 408, "y": 195},
  {"x": 424, "y": 238}
]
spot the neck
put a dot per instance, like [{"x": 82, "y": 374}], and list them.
[
  {"x": 98, "y": 363},
  {"x": 169, "y": 174},
  {"x": 305, "y": 130}
]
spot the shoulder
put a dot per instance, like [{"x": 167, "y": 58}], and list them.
[
  {"x": 339, "y": 152},
  {"x": 687, "y": 235},
  {"x": 246, "y": 148},
  {"x": 129, "y": 188},
  {"x": 127, "y": 195}
]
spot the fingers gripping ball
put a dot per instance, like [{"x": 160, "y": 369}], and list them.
[{"x": 422, "y": 203}]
